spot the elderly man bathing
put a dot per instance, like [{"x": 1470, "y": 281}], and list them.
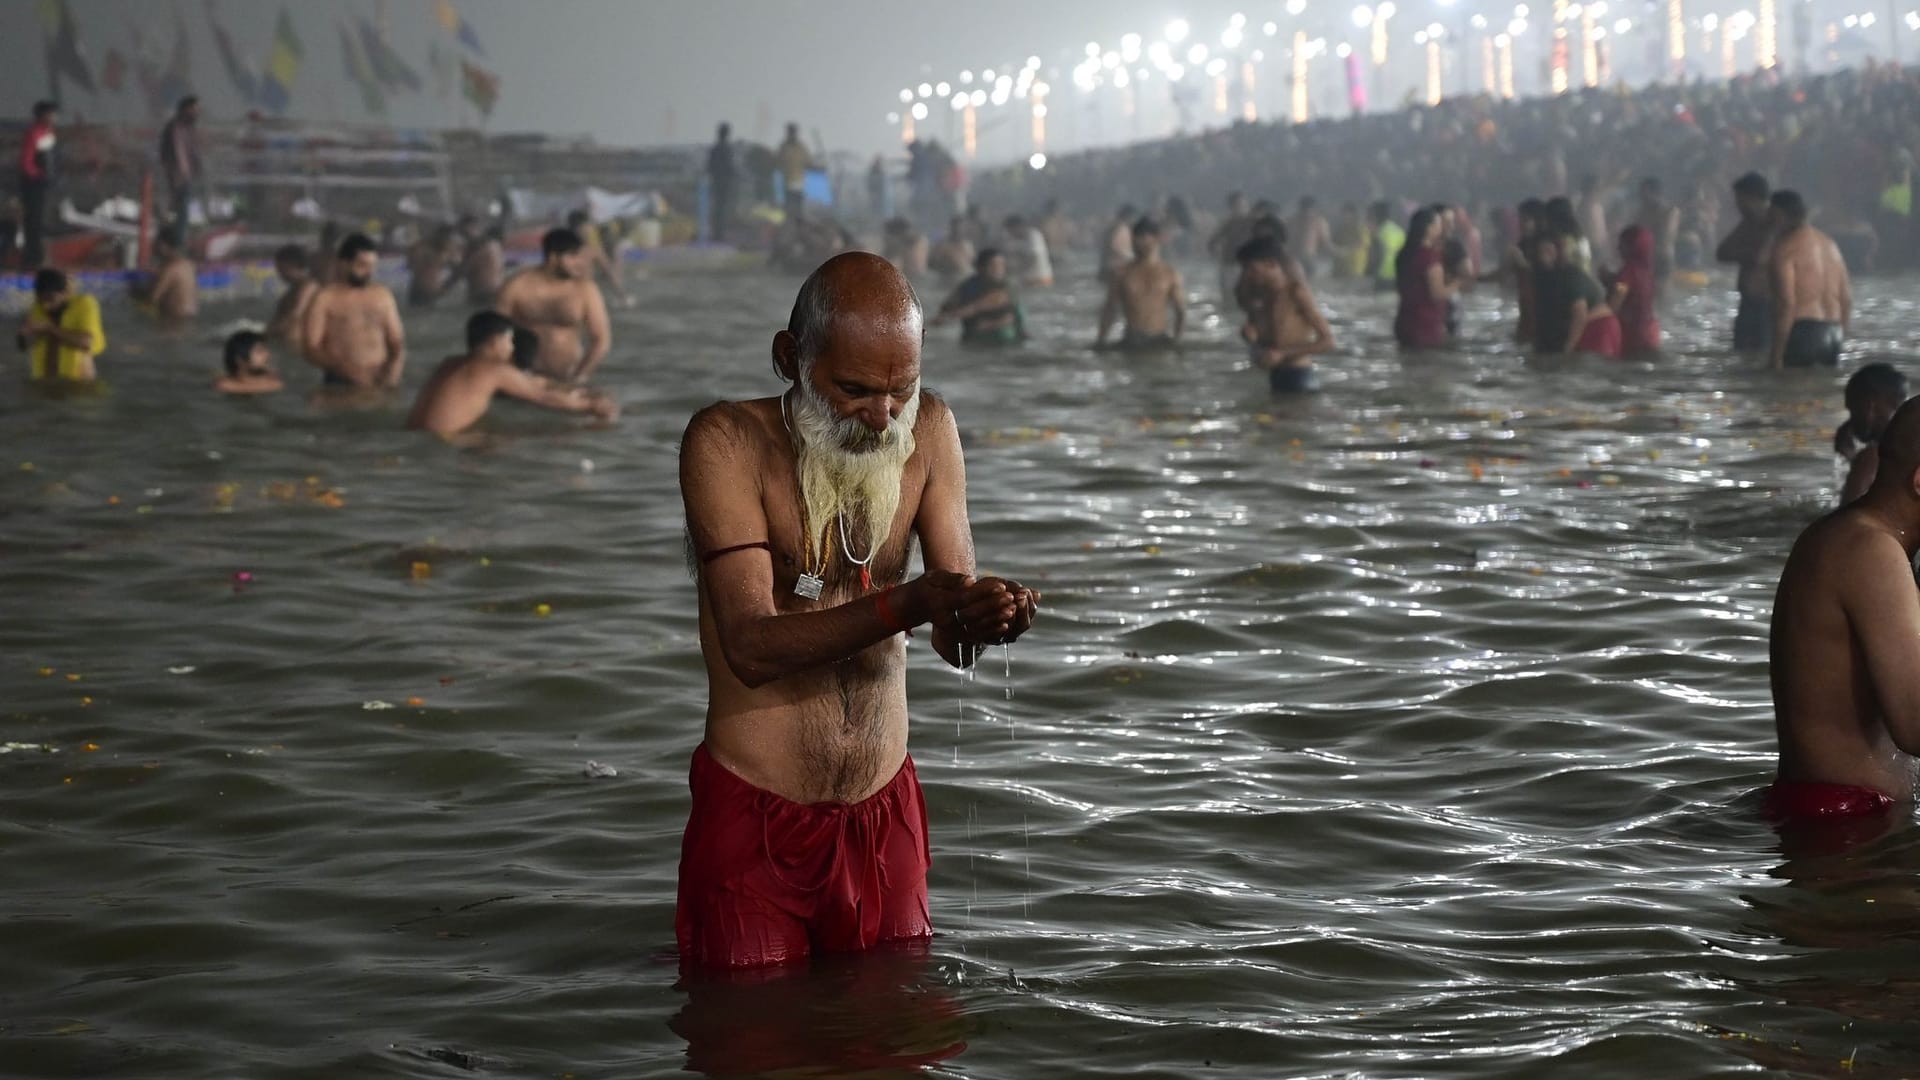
[{"x": 808, "y": 831}]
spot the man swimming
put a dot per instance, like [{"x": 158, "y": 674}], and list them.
[
  {"x": 294, "y": 266},
  {"x": 1747, "y": 247},
  {"x": 556, "y": 300},
  {"x": 352, "y": 329},
  {"x": 1285, "y": 329},
  {"x": 988, "y": 311},
  {"x": 1812, "y": 295},
  {"x": 1145, "y": 292},
  {"x": 808, "y": 832},
  {"x": 1874, "y": 394},
  {"x": 459, "y": 391},
  {"x": 61, "y": 333},
  {"x": 1846, "y": 646},
  {"x": 249, "y": 367}
]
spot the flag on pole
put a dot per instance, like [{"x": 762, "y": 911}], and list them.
[
  {"x": 245, "y": 81},
  {"x": 385, "y": 64},
  {"x": 441, "y": 62},
  {"x": 64, "y": 58},
  {"x": 360, "y": 74},
  {"x": 482, "y": 87},
  {"x": 113, "y": 71},
  {"x": 456, "y": 24},
  {"x": 276, "y": 89},
  {"x": 176, "y": 81}
]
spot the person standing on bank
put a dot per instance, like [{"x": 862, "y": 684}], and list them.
[
  {"x": 36, "y": 177},
  {"x": 722, "y": 176},
  {"x": 180, "y": 160}
]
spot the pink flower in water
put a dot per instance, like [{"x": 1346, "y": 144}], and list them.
[{"x": 242, "y": 577}]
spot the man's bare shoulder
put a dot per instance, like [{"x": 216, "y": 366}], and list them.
[
  {"x": 934, "y": 413},
  {"x": 729, "y": 425},
  {"x": 1841, "y": 538}
]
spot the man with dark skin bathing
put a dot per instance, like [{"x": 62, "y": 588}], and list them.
[
  {"x": 1845, "y": 647},
  {"x": 808, "y": 831}
]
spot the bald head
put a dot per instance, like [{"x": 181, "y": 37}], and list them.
[
  {"x": 857, "y": 293},
  {"x": 1897, "y": 475}
]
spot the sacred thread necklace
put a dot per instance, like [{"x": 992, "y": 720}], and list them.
[{"x": 809, "y": 586}]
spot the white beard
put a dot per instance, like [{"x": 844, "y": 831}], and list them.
[{"x": 849, "y": 470}]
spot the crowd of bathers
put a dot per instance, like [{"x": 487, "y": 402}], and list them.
[{"x": 537, "y": 335}]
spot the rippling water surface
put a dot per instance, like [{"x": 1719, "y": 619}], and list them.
[{"x": 1406, "y": 731}]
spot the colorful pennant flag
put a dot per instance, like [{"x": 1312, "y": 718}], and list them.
[
  {"x": 276, "y": 89},
  {"x": 385, "y": 64},
  {"x": 441, "y": 63},
  {"x": 113, "y": 71},
  {"x": 482, "y": 87},
  {"x": 245, "y": 81},
  {"x": 456, "y": 24},
  {"x": 64, "y": 59},
  {"x": 360, "y": 74}
]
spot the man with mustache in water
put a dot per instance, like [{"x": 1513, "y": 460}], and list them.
[
  {"x": 351, "y": 330},
  {"x": 555, "y": 300},
  {"x": 1845, "y": 648},
  {"x": 808, "y": 832}
]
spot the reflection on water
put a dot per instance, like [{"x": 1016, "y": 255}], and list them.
[{"x": 1405, "y": 730}]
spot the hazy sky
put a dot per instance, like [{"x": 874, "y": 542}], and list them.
[
  {"x": 654, "y": 71},
  {"x": 624, "y": 71}
]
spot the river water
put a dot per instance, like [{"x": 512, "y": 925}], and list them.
[{"x": 1410, "y": 730}]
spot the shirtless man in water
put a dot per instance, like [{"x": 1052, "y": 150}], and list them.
[
  {"x": 555, "y": 300},
  {"x": 1845, "y": 647},
  {"x": 352, "y": 330},
  {"x": 295, "y": 268},
  {"x": 1145, "y": 291},
  {"x": 459, "y": 391},
  {"x": 1285, "y": 329},
  {"x": 1313, "y": 236},
  {"x": 174, "y": 292},
  {"x": 808, "y": 831},
  {"x": 1812, "y": 295}
]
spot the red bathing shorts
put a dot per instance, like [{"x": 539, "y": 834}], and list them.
[
  {"x": 1800, "y": 800},
  {"x": 1601, "y": 338},
  {"x": 764, "y": 880}
]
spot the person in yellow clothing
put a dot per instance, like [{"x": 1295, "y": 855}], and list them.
[
  {"x": 1383, "y": 253},
  {"x": 62, "y": 333},
  {"x": 794, "y": 161}
]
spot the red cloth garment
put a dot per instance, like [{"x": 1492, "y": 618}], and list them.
[
  {"x": 36, "y": 150},
  {"x": 1601, "y": 337},
  {"x": 1639, "y": 325},
  {"x": 1800, "y": 800},
  {"x": 1422, "y": 319},
  {"x": 765, "y": 880}
]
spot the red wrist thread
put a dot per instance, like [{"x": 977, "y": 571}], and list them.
[{"x": 885, "y": 611}]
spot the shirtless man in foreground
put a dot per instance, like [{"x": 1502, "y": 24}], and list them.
[
  {"x": 1812, "y": 295},
  {"x": 555, "y": 300},
  {"x": 459, "y": 391},
  {"x": 1285, "y": 329},
  {"x": 1145, "y": 291},
  {"x": 352, "y": 330},
  {"x": 808, "y": 831},
  {"x": 295, "y": 268},
  {"x": 1845, "y": 647}
]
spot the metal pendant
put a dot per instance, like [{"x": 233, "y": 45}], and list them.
[{"x": 808, "y": 586}]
